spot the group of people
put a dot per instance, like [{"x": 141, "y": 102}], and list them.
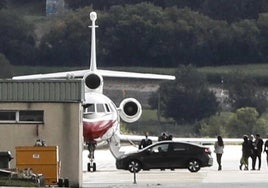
[
  {"x": 146, "y": 141},
  {"x": 252, "y": 147},
  {"x": 165, "y": 136}
]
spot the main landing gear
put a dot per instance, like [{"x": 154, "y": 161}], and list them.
[{"x": 91, "y": 146}]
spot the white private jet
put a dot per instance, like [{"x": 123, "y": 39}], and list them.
[{"x": 101, "y": 117}]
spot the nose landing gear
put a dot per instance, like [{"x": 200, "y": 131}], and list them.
[{"x": 91, "y": 146}]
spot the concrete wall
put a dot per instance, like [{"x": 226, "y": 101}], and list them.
[{"x": 62, "y": 127}]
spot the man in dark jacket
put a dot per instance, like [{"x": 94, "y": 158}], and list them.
[
  {"x": 145, "y": 142},
  {"x": 258, "y": 150}
]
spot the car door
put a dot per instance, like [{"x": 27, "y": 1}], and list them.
[
  {"x": 156, "y": 156},
  {"x": 179, "y": 154}
]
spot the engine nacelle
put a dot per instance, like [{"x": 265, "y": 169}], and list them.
[
  {"x": 130, "y": 110},
  {"x": 93, "y": 82}
]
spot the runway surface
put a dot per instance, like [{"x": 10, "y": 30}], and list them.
[{"x": 108, "y": 176}]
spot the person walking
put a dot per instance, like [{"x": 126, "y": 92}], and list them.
[
  {"x": 218, "y": 149},
  {"x": 245, "y": 153},
  {"x": 258, "y": 149}
]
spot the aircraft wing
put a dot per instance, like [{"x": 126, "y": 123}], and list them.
[{"x": 104, "y": 73}]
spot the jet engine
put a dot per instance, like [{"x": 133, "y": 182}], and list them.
[
  {"x": 130, "y": 110},
  {"x": 93, "y": 82}
]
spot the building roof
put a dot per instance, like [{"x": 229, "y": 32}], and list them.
[{"x": 60, "y": 90}]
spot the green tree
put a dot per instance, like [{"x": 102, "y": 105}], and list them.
[
  {"x": 246, "y": 121},
  {"x": 17, "y": 38},
  {"x": 6, "y": 68},
  {"x": 244, "y": 92},
  {"x": 3, "y": 4},
  {"x": 215, "y": 125},
  {"x": 262, "y": 24},
  {"x": 67, "y": 43},
  {"x": 245, "y": 44},
  {"x": 187, "y": 99},
  {"x": 158, "y": 34},
  {"x": 233, "y": 11}
]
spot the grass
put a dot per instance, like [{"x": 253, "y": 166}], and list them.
[
  {"x": 254, "y": 70},
  {"x": 6, "y": 181},
  {"x": 259, "y": 72}
]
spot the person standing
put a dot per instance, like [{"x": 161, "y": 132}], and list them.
[
  {"x": 266, "y": 150},
  {"x": 163, "y": 136},
  {"x": 219, "y": 146},
  {"x": 145, "y": 142},
  {"x": 258, "y": 149},
  {"x": 252, "y": 151},
  {"x": 245, "y": 153}
]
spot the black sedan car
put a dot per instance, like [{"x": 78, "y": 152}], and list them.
[{"x": 167, "y": 155}]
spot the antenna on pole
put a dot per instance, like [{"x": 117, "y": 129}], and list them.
[{"x": 93, "y": 64}]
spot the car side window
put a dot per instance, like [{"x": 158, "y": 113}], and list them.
[
  {"x": 179, "y": 147},
  {"x": 160, "y": 148}
]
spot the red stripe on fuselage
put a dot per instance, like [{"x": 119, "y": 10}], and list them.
[{"x": 94, "y": 130}]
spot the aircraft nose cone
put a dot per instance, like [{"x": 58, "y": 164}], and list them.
[{"x": 93, "y": 130}]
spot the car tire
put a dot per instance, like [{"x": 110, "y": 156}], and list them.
[
  {"x": 134, "y": 166},
  {"x": 194, "y": 165}
]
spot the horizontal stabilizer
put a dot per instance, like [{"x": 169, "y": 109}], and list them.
[{"x": 104, "y": 73}]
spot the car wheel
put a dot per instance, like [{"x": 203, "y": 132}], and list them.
[
  {"x": 134, "y": 166},
  {"x": 193, "y": 165}
]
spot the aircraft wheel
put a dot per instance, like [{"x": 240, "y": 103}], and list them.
[
  {"x": 94, "y": 167},
  {"x": 134, "y": 166},
  {"x": 88, "y": 167},
  {"x": 91, "y": 166},
  {"x": 193, "y": 165}
]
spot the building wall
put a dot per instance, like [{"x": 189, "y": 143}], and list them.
[{"x": 62, "y": 127}]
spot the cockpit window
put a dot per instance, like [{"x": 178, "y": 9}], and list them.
[
  {"x": 100, "y": 108},
  {"x": 107, "y": 108},
  {"x": 89, "y": 108},
  {"x": 97, "y": 108}
]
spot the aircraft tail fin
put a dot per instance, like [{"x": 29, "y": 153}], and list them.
[{"x": 93, "y": 63}]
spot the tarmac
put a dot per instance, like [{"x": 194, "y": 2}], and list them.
[{"x": 107, "y": 176}]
